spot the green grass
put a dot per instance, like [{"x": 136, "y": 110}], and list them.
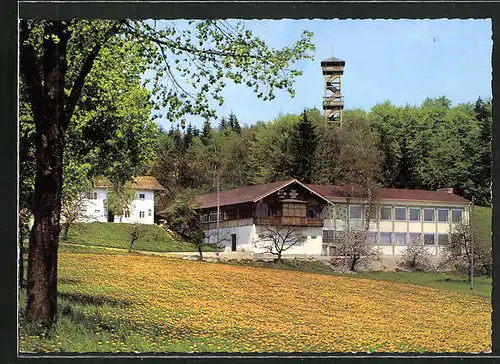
[
  {"x": 117, "y": 235},
  {"x": 448, "y": 281},
  {"x": 483, "y": 223}
]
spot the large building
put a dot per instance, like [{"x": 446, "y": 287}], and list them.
[
  {"x": 321, "y": 212},
  {"x": 141, "y": 210}
]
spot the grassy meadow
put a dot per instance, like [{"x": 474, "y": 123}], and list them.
[
  {"x": 117, "y": 235},
  {"x": 129, "y": 302}
]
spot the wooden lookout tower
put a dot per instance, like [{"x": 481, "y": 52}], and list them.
[{"x": 333, "y": 101}]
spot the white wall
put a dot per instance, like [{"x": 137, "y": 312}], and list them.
[
  {"x": 96, "y": 209},
  {"x": 246, "y": 236}
]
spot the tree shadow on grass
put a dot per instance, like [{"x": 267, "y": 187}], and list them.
[
  {"x": 93, "y": 300},
  {"x": 68, "y": 281}
]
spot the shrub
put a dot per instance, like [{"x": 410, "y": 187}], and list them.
[{"x": 416, "y": 258}]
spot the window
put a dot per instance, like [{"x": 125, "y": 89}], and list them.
[
  {"x": 92, "y": 195},
  {"x": 141, "y": 214},
  {"x": 428, "y": 214},
  {"x": 428, "y": 239},
  {"x": 142, "y": 196},
  {"x": 456, "y": 215},
  {"x": 355, "y": 212},
  {"x": 414, "y": 214},
  {"x": 373, "y": 213},
  {"x": 443, "y": 215},
  {"x": 385, "y": 213},
  {"x": 442, "y": 239},
  {"x": 127, "y": 213},
  {"x": 328, "y": 236},
  {"x": 204, "y": 218},
  {"x": 385, "y": 239},
  {"x": 414, "y": 238},
  {"x": 97, "y": 211},
  {"x": 313, "y": 236},
  {"x": 212, "y": 217},
  {"x": 399, "y": 238},
  {"x": 400, "y": 213},
  {"x": 149, "y": 212},
  {"x": 371, "y": 238}
]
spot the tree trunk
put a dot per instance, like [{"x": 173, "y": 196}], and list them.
[
  {"x": 66, "y": 230},
  {"x": 278, "y": 258},
  {"x": 200, "y": 252},
  {"x": 21, "y": 265},
  {"x": 355, "y": 259},
  {"x": 131, "y": 246},
  {"x": 42, "y": 259},
  {"x": 47, "y": 102}
]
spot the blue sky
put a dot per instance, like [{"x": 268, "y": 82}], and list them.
[{"x": 404, "y": 61}]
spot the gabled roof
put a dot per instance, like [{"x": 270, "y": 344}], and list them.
[
  {"x": 332, "y": 192},
  {"x": 138, "y": 183},
  {"x": 240, "y": 195}
]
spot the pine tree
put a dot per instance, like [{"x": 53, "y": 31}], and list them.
[
  {"x": 223, "y": 124},
  {"x": 234, "y": 124},
  {"x": 482, "y": 166},
  {"x": 196, "y": 131},
  {"x": 207, "y": 129},
  {"x": 302, "y": 149},
  {"x": 188, "y": 136}
]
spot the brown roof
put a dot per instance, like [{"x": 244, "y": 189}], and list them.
[
  {"x": 330, "y": 191},
  {"x": 240, "y": 195},
  {"x": 138, "y": 183}
]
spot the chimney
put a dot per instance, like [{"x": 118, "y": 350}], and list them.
[{"x": 447, "y": 190}]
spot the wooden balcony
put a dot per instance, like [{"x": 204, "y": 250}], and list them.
[{"x": 288, "y": 221}]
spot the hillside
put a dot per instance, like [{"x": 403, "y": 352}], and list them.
[{"x": 117, "y": 235}]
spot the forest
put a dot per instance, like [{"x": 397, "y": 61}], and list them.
[{"x": 430, "y": 146}]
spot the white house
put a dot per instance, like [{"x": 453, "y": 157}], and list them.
[
  {"x": 322, "y": 212},
  {"x": 141, "y": 210}
]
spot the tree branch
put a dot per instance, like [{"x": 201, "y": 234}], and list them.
[
  {"x": 30, "y": 71},
  {"x": 85, "y": 70}
]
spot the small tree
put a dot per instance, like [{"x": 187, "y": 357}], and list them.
[
  {"x": 183, "y": 219},
  {"x": 118, "y": 200},
  {"x": 416, "y": 259},
  {"x": 356, "y": 249},
  {"x": 458, "y": 253},
  {"x": 137, "y": 231},
  {"x": 72, "y": 210},
  {"x": 278, "y": 239}
]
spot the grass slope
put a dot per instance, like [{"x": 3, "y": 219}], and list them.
[
  {"x": 136, "y": 303},
  {"x": 117, "y": 235},
  {"x": 447, "y": 281},
  {"x": 483, "y": 223}
]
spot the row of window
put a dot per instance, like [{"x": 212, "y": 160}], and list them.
[
  {"x": 94, "y": 196},
  {"x": 412, "y": 214},
  {"x": 212, "y": 217},
  {"x": 385, "y": 238},
  {"x": 126, "y": 213}
]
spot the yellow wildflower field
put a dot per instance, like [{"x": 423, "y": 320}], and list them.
[{"x": 178, "y": 305}]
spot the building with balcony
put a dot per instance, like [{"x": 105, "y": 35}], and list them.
[{"x": 394, "y": 218}]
